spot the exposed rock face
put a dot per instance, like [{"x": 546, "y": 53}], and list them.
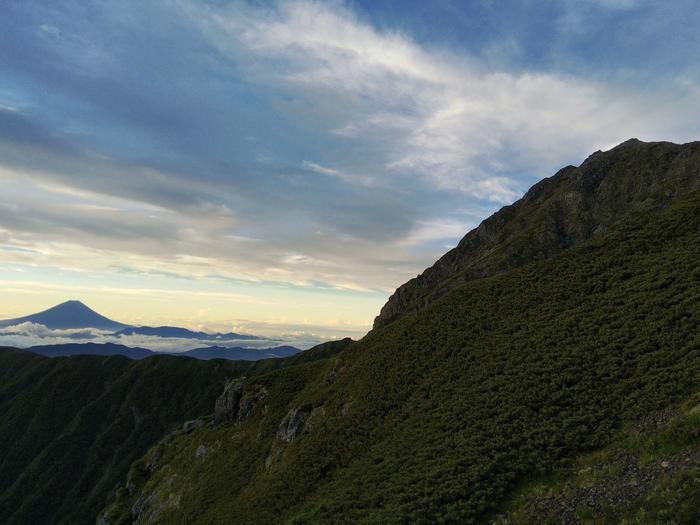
[
  {"x": 558, "y": 213},
  {"x": 237, "y": 401},
  {"x": 227, "y": 405},
  {"x": 250, "y": 398},
  {"x": 293, "y": 424}
]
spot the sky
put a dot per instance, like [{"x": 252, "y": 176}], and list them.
[{"x": 281, "y": 167}]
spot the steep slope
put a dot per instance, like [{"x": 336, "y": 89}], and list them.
[
  {"x": 558, "y": 213},
  {"x": 441, "y": 415},
  {"x": 71, "y": 426},
  {"x": 650, "y": 473},
  {"x": 68, "y": 315}
]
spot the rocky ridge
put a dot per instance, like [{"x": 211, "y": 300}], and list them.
[{"x": 556, "y": 214}]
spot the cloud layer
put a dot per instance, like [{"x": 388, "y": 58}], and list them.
[{"x": 26, "y": 335}]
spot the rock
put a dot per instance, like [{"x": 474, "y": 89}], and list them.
[
  {"x": 139, "y": 508},
  {"x": 292, "y": 424},
  {"x": 154, "y": 458},
  {"x": 249, "y": 400},
  {"x": 272, "y": 457},
  {"x": 192, "y": 425},
  {"x": 201, "y": 450},
  {"x": 665, "y": 464},
  {"x": 227, "y": 405}
]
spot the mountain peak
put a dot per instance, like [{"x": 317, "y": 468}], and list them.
[
  {"x": 68, "y": 315},
  {"x": 558, "y": 213},
  {"x": 73, "y": 303}
]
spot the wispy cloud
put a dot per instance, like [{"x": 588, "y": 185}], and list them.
[{"x": 439, "y": 115}]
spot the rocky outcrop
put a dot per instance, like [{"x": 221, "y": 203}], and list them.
[
  {"x": 249, "y": 400},
  {"x": 558, "y": 213},
  {"x": 237, "y": 401},
  {"x": 227, "y": 405},
  {"x": 293, "y": 424}
]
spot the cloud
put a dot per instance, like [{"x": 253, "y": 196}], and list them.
[
  {"x": 436, "y": 230},
  {"x": 25, "y": 335},
  {"x": 440, "y": 116}
]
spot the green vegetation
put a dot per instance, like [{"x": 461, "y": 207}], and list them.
[
  {"x": 70, "y": 427},
  {"x": 649, "y": 474},
  {"x": 443, "y": 415},
  {"x": 556, "y": 214}
]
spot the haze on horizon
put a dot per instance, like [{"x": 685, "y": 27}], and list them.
[{"x": 283, "y": 167}]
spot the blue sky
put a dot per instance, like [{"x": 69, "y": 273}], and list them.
[{"x": 283, "y": 166}]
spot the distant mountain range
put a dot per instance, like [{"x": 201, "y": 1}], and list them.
[
  {"x": 183, "y": 333},
  {"x": 103, "y": 349},
  {"x": 204, "y": 354},
  {"x": 73, "y": 315}
]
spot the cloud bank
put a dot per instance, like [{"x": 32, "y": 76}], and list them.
[{"x": 26, "y": 335}]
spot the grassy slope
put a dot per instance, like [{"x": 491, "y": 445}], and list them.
[
  {"x": 438, "y": 416},
  {"x": 649, "y": 474},
  {"x": 71, "y": 427}
]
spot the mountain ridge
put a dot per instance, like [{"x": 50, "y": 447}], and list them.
[
  {"x": 556, "y": 214},
  {"x": 203, "y": 353}
]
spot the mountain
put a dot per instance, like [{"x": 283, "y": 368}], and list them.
[
  {"x": 104, "y": 349},
  {"x": 243, "y": 354},
  {"x": 182, "y": 333},
  {"x": 68, "y": 315},
  {"x": 569, "y": 381},
  {"x": 558, "y": 213},
  {"x": 210, "y": 352},
  {"x": 71, "y": 427}
]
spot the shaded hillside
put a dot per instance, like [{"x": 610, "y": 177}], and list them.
[
  {"x": 71, "y": 426},
  {"x": 558, "y": 213},
  {"x": 440, "y": 416}
]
